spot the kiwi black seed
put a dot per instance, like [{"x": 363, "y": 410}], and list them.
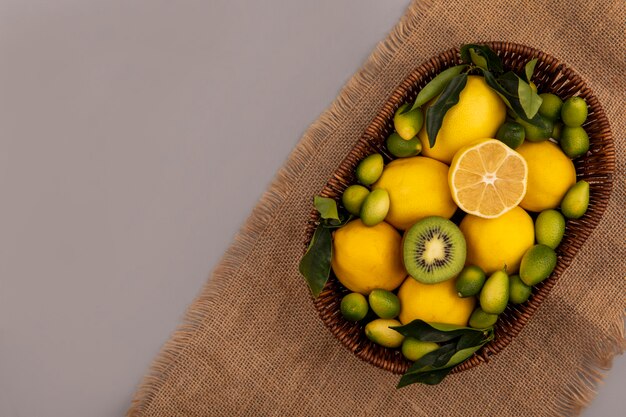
[{"x": 433, "y": 250}]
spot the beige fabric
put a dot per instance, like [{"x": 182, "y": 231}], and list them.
[{"x": 260, "y": 350}]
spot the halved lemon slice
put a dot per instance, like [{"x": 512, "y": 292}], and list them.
[{"x": 487, "y": 178}]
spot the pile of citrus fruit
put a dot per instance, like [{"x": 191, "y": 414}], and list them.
[{"x": 451, "y": 231}]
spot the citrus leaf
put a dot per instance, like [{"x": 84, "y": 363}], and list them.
[
  {"x": 315, "y": 264},
  {"x": 493, "y": 62},
  {"x": 434, "y": 332},
  {"x": 436, "y": 85},
  {"x": 477, "y": 59},
  {"x": 327, "y": 207},
  {"x": 432, "y": 377},
  {"x": 529, "y": 68},
  {"x": 509, "y": 87},
  {"x": 528, "y": 98},
  {"x": 448, "y": 98}
]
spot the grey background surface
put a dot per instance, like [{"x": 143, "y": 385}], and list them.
[{"x": 136, "y": 136}]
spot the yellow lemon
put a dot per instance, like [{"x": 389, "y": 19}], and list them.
[
  {"x": 493, "y": 244},
  {"x": 550, "y": 174},
  {"x": 418, "y": 188},
  {"x": 433, "y": 303},
  {"x": 365, "y": 258},
  {"x": 478, "y": 115},
  {"x": 487, "y": 179}
]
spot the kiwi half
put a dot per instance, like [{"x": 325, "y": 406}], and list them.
[{"x": 433, "y": 250}]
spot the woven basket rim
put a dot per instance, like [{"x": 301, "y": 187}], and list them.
[{"x": 597, "y": 167}]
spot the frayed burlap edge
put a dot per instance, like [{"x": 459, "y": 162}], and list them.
[
  {"x": 270, "y": 203},
  {"x": 575, "y": 396}
]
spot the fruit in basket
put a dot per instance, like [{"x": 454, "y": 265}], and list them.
[
  {"x": 433, "y": 250},
  {"x": 537, "y": 264},
  {"x": 402, "y": 148},
  {"x": 574, "y": 141},
  {"x": 418, "y": 188},
  {"x": 365, "y": 257},
  {"x": 481, "y": 320},
  {"x": 375, "y": 207},
  {"x": 408, "y": 122},
  {"x": 433, "y": 303},
  {"x": 470, "y": 281},
  {"x": 574, "y": 111},
  {"x": 576, "y": 200},
  {"x": 550, "y": 106},
  {"x": 384, "y": 303},
  {"x": 494, "y": 244},
  {"x": 488, "y": 178},
  {"x": 354, "y": 306},
  {"x": 378, "y": 331},
  {"x": 512, "y": 134},
  {"x": 550, "y": 174},
  {"x": 413, "y": 349},
  {"x": 477, "y": 115},
  {"x": 353, "y": 197},
  {"x": 518, "y": 291},
  {"x": 538, "y": 130},
  {"x": 549, "y": 228},
  {"x": 495, "y": 293},
  {"x": 369, "y": 169}
]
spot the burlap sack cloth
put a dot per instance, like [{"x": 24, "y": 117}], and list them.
[{"x": 252, "y": 343}]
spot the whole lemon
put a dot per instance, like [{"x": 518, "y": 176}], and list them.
[
  {"x": 365, "y": 258},
  {"x": 550, "y": 174},
  {"x": 433, "y": 303},
  {"x": 478, "y": 115},
  {"x": 418, "y": 188},
  {"x": 495, "y": 243}
]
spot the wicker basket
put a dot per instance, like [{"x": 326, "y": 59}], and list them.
[{"x": 596, "y": 167}]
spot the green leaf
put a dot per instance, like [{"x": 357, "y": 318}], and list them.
[
  {"x": 437, "y": 85},
  {"x": 432, "y": 368},
  {"x": 477, "y": 59},
  {"x": 529, "y": 68},
  {"x": 431, "y": 377},
  {"x": 448, "y": 98},
  {"x": 327, "y": 207},
  {"x": 529, "y": 99},
  {"x": 493, "y": 62},
  {"x": 508, "y": 87},
  {"x": 315, "y": 264},
  {"x": 434, "y": 332}
]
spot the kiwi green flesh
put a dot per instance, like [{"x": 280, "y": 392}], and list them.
[{"x": 433, "y": 250}]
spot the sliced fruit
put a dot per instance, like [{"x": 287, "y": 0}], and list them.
[
  {"x": 433, "y": 250},
  {"x": 487, "y": 179}
]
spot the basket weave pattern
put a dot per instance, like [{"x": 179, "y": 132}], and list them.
[{"x": 596, "y": 167}]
